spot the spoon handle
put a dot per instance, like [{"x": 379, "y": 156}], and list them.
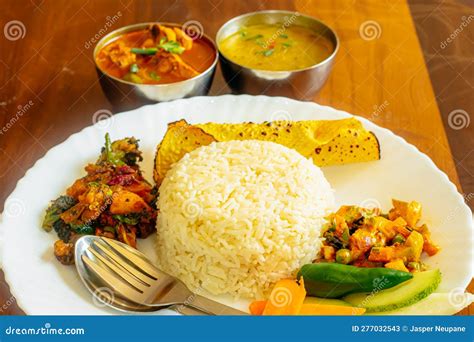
[
  {"x": 212, "y": 307},
  {"x": 189, "y": 311}
]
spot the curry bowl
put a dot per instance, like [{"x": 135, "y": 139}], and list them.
[
  {"x": 276, "y": 52},
  {"x": 119, "y": 66}
]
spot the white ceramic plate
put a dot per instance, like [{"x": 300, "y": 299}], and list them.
[{"x": 43, "y": 286}]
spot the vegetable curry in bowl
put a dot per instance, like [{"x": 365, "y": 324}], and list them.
[{"x": 158, "y": 54}]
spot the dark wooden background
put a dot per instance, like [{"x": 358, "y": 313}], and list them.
[{"x": 52, "y": 67}]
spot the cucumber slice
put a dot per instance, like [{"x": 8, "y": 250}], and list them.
[
  {"x": 325, "y": 301},
  {"x": 420, "y": 286}
]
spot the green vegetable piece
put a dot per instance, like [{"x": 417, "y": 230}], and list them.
[
  {"x": 283, "y": 35},
  {"x": 171, "y": 46},
  {"x": 332, "y": 280},
  {"x": 83, "y": 229},
  {"x": 55, "y": 209},
  {"x": 398, "y": 238},
  {"x": 134, "y": 78},
  {"x": 63, "y": 230},
  {"x": 112, "y": 156},
  {"x": 414, "y": 265},
  {"x": 109, "y": 229},
  {"x": 120, "y": 152},
  {"x": 267, "y": 53},
  {"x": 134, "y": 68},
  {"x": 257, "y": 36},
  {"x": 343, "y": 256},
  {"x": 148, "y": 51},
  {"x": 345, "y": 237},
  {"x": 154, "y": 76},
  {"x": 402, "y": 295},
  {"x": 330, "y": 227},
  {"x": 130, "y": 219}
]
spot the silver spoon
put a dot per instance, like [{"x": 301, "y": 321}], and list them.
[
  {"x": 130, "y": 282},
  {"x": 104, "y": 296},
  {"x": 108, "y": 298}
]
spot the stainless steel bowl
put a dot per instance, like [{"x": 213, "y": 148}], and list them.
[
  {"x": 129, "y": 95},
  {"x": 302, "y": 83}
]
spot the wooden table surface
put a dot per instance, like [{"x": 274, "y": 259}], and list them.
[{"x": 47, "y": 72}]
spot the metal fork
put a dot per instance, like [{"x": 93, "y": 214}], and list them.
[{"x": 129, "y": 274}]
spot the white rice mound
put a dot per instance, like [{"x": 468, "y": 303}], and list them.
[{"x": 235, "y": 217}]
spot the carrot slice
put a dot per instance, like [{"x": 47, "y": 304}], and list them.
[
  {"x": 286, "y": 298},
  {"x": 257, "y": 307},
  {"x": 310, "y": 309}
]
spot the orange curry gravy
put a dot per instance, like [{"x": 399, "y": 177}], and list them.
[{"x": 165, "y": 66}]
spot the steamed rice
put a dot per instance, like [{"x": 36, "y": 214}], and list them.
[{"x": 237, "y": 216}]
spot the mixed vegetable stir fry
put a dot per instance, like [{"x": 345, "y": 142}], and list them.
[
  {"x": 365, "y": 255},
  {"x": 157, "y": 54},
  {"x": 112, "y": 200},
  {"x": 366, "y": 238}
]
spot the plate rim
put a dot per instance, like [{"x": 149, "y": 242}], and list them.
[{"x": 6, "y": 270}]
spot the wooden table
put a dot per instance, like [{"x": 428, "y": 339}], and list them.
[{"x": 380, "y": 72}]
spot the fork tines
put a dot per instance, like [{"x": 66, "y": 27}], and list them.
[{"x": 125, "y": 271}]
